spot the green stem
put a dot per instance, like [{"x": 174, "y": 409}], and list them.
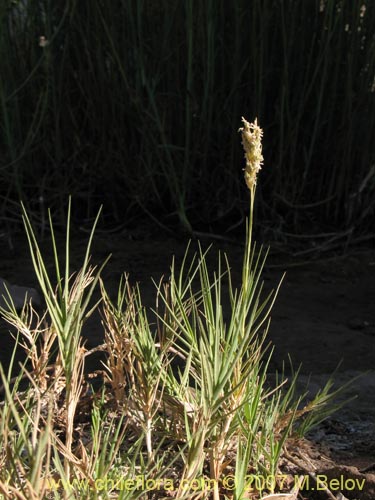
[{"x": 249, "y": 230}]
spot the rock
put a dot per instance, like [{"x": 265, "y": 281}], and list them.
[{"x": 19, "y": 294}]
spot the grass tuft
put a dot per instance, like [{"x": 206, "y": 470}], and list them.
[{"x": 184, "y": 398}]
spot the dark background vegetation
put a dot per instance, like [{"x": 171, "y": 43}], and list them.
[{"x": 136, "y": 105}]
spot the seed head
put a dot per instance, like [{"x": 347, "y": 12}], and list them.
[{"x": 252, "y": 143}]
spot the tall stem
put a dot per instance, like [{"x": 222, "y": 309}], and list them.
[{"x": 249, "y": 238}]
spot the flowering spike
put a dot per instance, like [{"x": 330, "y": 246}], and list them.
[{"x": 252, "y": 143}]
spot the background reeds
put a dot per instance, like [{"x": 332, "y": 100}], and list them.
[{"x": 128, "y": 103}]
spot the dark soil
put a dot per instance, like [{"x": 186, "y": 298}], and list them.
[{"x": 324, "y": 318}]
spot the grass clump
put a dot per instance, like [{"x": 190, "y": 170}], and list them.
[{"x": 184, "y": 401}]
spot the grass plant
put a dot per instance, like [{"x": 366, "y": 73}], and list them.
[{"x": 184, "y": 398}]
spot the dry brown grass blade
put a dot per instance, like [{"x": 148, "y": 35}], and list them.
[{"x": 118, "y": 344}]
